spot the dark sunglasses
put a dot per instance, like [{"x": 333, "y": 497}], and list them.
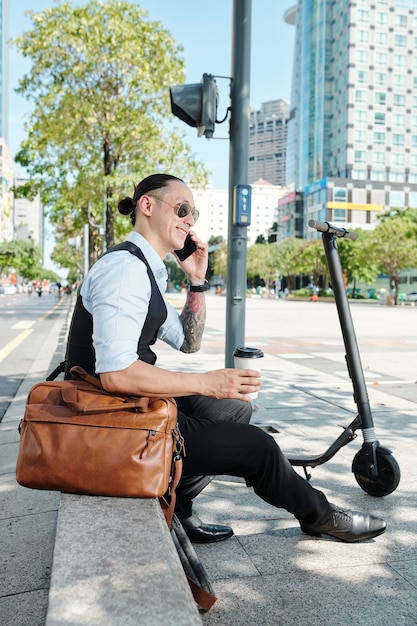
[{"x": 182, "y": 209}]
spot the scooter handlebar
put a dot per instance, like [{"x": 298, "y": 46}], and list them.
[{"x": 326, "y": 227}]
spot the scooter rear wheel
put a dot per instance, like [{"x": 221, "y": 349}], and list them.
[{"x": 388, "y": 473}]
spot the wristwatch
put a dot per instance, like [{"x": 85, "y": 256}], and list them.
[{"x": 199, "y": 288}]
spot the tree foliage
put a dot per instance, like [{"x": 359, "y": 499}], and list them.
[
  {"x": 263, "y": 262},
  {"x": 99, "y": 82},
  {"x": 219, "y": 265},
  {"x": 393, "y": 245},
  {"x": 21, "y": 256},
  {"x": 357, "y": 259},
  {"x": 290, "y": 262},
  {"x": 313, "y": 260}
]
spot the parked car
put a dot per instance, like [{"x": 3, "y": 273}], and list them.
[{"x": 411, "y": 297}]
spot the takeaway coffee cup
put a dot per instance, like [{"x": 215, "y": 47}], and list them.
[{"x": 248, "y": 359}]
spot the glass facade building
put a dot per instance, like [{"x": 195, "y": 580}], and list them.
[{"x": 352, "y": 132}]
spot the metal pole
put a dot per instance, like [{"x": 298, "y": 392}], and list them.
[{"x": 238, "y": 174}]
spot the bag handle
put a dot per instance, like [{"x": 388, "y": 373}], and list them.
[
  {"x": 70, "y": 397},
  {"x": 79, "y": 373}
]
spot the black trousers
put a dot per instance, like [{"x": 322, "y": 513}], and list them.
[
  {"x": 218, "y": 410},
  {"x": 218, "y": 447}
]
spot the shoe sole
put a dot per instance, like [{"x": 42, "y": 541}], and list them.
[{"x": 346, "y": 540}]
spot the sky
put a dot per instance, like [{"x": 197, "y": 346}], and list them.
[{"x": 204, "y": 29}]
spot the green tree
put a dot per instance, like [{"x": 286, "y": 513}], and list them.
[
  {"x": 313, "y": 260},
  {"x": 22, "y": 256},
  {"x": 99, "y": 82},
  {"x": 289, "y": 259},
  {"x": 357, "y": 260},
  {"x": 219, "y": 266},
  {"x": 262, "y": 261},
  {"x": 394, "y": 245}
]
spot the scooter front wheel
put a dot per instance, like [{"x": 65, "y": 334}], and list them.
[{"x": 388, "y": 476}]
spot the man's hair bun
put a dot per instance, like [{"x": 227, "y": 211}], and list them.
[{"x": 126, "y": 206}]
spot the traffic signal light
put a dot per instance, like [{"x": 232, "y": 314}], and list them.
[{"x": 196, "y": 104}]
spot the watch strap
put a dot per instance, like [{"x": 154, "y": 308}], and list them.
[{"x": 199, "y": 288}]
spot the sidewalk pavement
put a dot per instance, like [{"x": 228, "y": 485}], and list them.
[{"x": 269, "y": 572}]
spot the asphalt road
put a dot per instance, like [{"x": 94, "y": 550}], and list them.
[{"x": 22, "y": 337}]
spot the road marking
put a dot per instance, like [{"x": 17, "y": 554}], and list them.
[
  {"x": 4, "y": 352},
  {"x": 12, "y": 345},
  {"x": 23, "y": 324}
]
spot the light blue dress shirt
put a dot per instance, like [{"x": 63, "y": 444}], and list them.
[{"x": 116, "y": 291}]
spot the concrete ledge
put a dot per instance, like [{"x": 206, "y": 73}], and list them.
[{"x": 115, "y": 564}]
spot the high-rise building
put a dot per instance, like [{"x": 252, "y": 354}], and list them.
[
  {"x": 6, "y": 195},
  {"x": 352, "y": 132},
  {"x": 267, "y": 142},
  {"x": 27, "y": 217},
  {"x": 4, "y": 69}
]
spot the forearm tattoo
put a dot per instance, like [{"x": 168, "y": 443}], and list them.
[{"x": 193, "y": 317}]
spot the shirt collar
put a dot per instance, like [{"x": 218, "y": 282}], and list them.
[{"x": 157, "y": 265}]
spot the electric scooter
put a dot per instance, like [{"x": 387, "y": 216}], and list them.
[{"x": 376, "y": 470}]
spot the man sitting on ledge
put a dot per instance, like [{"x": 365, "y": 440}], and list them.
[{"x": 120, "y": 312}]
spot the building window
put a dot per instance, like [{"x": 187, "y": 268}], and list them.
[
  {"x": 359, "y": 174},
  {"x": 398, "y": 80},
  {"x": 339, "y": 194},
  {"x": 396, "y": 198},
  {"x": 361, "y": 96},
  {"x": 363, "y": 36},
  {"x": 398, "y": 119},
  {"x": 381, "y": 39},
  {"x": 362, "y": 76},
  {"x": 361, "y": 117},
  {"x": 362, "y": 56},
  {"x": 380, "y": 78},
  {"x": 396, "y": 177},
  {"x": 397, "y": 159},
  {"x": 414, "y": 141},
  {"x": 377, "y": 175},
  {"x": 401, "y": 21},
  {"x": 398, "y": 100},
  {"x": 381, "y": 58},
  {"x": 412, "y": 178},
  {"x": 378, "y": 158},
  {"x": 399, "y": 60},
  {"x": 360, "y": 136},
  {"x": 397, "y": 139},
  {"x": 414, "y": 121},
  {"x": 413, "y": 160},
  {"x": 339, "y": 215},
  {"x": 412, "y": 199},
  {"x": 379, "y": 117},
  {"x": 379, "y": 138},
  {"x": 381, "y": 18},
  {"x": 400, "y": 41},
  {"x": 380, "y": 98},
  {"x": 360, "y": 156},
  {"x": 363, "y": 16}
]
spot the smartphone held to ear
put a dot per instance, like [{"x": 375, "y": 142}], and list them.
[{"x": 187, "y": 250}]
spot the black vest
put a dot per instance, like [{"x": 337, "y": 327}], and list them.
[{"x": 80, "y": 349}]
